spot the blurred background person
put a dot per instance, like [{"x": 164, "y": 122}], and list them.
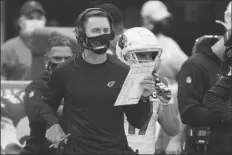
[
  {"x": 118, "y": 24},
  {"x": 157, "y": 18},
  {"x": 16, "y": 56}
]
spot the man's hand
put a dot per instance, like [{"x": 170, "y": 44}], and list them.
[
  {"x": 152, "y": 84},
  {"x": 148, "y": 83},
  {"x": 55, "y": 134},
  {"x": 163, "y": 93}
]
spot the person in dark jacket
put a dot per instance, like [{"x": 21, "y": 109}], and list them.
[
  {"x": 198, "y": 74},
  {"x": 218, "y": 100},
  {"x": 209, "y": 63},
  {"x": 90, "y": 84},
  {"x": 59, "y": 50}
]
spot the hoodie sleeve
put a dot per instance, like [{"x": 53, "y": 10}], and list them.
[
  {"x": 51, "y": 98},
  {"x": 217, "y": 99},
  {"x": 191, "y": 91}
]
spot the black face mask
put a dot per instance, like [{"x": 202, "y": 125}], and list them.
[
  {"x": 99, "y": 44},
  {"x": 50, "y": 67}
]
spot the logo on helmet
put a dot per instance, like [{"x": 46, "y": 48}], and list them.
[{"x": 122, "y": 41}]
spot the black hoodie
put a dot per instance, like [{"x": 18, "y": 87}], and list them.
[{"x": 197, "y": 75}]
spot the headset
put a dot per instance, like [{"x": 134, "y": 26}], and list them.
[{"x": 80, "y": 30}]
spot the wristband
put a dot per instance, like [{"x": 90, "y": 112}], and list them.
[{"x": 144, "y": 99}]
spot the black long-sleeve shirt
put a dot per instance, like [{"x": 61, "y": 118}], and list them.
[
  {"x": 219, "y": 99},
  {"x": 95, "y": 124}
]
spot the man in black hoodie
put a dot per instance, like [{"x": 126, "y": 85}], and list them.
[
  {"x": 198, "y": 74},
  {"x": 59, "y": 50},
  {"x": 208, "y": 64}
]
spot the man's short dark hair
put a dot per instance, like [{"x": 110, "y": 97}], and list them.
[
  {"x": 94, "y": 13},
  {"x": 56, "y": 40},
  {"x": 115, "y": 12}
]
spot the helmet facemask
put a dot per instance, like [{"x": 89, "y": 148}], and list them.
[{"x": 141, "y": 55}]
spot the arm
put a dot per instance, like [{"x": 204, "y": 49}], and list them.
[
  {"x": 138, "y": 114},
  {"x": 8, "y": 61},
  {"x": 217, "y": 98},
  {"x": 190, "y": 96},
  {"x": 168, "y": 119},
  {"x": 32, "y": 101},
  {"x": 52, "y": 97}
]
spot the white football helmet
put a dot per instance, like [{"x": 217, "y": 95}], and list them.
[{"x": 137, "y": 45}]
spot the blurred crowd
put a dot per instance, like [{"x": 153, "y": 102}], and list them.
[{"x": 23, "y": 59}]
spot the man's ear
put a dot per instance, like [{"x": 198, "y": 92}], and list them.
[
  {"x": 19, "y": 22},
  {"x": 45, "y": 20}
]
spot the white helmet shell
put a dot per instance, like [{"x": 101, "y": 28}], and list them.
[{"x": 137, "y": 39}]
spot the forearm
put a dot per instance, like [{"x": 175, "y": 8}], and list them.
[
  {"x": 217, "y": 99},
  {"x": 220, "y": 108},
  {"x": 198, "y": 116},
  {"x": 138, "y": 114},
  {"x": 48, "y": 114},
  {"x": 223, "y": 88},
  {"x": 51, "y": 98},
  {"x": 168, "y": 119}
]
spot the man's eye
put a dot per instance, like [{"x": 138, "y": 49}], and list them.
[
  {"x": 106, "y": 30},
  {"x": 96, "y": 30},
  {"x": 66, "y": 58},
  {"x": 56, "y": 58}
]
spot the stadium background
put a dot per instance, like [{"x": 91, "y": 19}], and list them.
[{"x": 192, "y": 19}]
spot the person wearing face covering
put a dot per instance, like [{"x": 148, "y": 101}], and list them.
[
  {"x": 58, "y": 51},
  {"x": 118, "y": 24},
  {"x": 90, "y": 83},
  {"x": 156, "y": 17},
  {"x": 16, "y": 56}
]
